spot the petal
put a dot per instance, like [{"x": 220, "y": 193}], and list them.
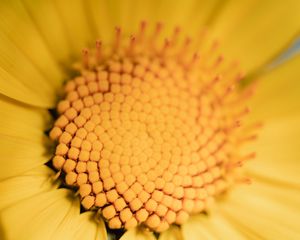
[
  {"x": 28, "y": 184},
  {"x": 255, "y": 31},
  {"x": 277, "y": 104},
  {"x": 77, "y": 28},
  {"x": 19, "y": 155},
  {"x": 137, "y": 234},
  {"x": 221, "y": 227},
  {"x": 278, "y": 92},
  {"x": 277, "y": 151},
  {"x": 264, "y": 216},
  {"x": 193, "y": 229},
  {"x": 49, "y": 215},
  {"x": 22, "y": 121},
  {"x": 77, "y": 227},
  {"x": 191, "y": 15},
  {"x": 269, "y": 188},
  {"x": 173, "y": 233},
  {"x": 23, "y": 143},
  {"x": 28, "y": 71},
  {"x": 182, "y": 14},
  {"x": 48, "y": 22}
]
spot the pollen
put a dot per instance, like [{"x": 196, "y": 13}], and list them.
[{"x": 150, "y": 132}]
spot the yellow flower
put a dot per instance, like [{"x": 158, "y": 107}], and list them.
[{"x": 160, "y": 164}]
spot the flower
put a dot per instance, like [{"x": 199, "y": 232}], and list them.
[{"x": 36, "y": 58}]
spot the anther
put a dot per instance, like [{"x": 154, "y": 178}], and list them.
[
  {"x": 85, "y": 58},
  {"x": 98, "y": 51},
  {"x": 117, "y": 39},
  {"x": 242, "y": 113},
  {"x": 193, "y": 61},
  {"x": 174, "y": 38},
  {"x": 214, "y": 46},
  {"x": 132, "y": 44},
  {"x": 166, "y": 45},
  {"x": 248, "y": 139},
  {"x": 156, "y": 34},
  {"x": 142, "y": 31},
  {"x": 184, "y": 48},
  {"x": 243, "y": 180},
  {"x": 212, "y": 83},
  {"x": 218, "y": 62}
]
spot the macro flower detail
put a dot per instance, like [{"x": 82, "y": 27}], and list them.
[
  {"x": 150, "y": 132},
  {"x": 149, "y": 120}
]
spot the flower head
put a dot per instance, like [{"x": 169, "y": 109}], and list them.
[{"x": 149, "y": 133}]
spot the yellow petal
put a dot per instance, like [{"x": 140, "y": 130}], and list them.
[
  {"x": 74, "y": 17},
  {"x": 101, "y": 230},
  {"x": 191, "y": 15},
  {"x": 26, "y": 62},
  {"x": 37, "y": 217},
  {"x": 19, "y": 155},
  {"x": 220, "y": 226},
  {"x": 50, "y": 215},
  {"x": 77, "y": 227},
  {"x": 193, "y": 229},
  {"x": 137, "y": 234},
  {"x": 23, "y": 144},
  {"x": 180, "y": 14},
  {"x": 255, "y": 31},
  {"x": 47, "y": 19},
  {"x": 22, "y": 121},
  {"x": 262, "y": 215},
  {"x": 277, "y": 103},
  {"x": 285, "y": 193},
  {"x": 26, "y": 185},
  {"x": 277, "y": 151},
  {"x": 173, "y": 233},
  {"x": 278, "y": 92},
  {"x": 100, "y": 18}
]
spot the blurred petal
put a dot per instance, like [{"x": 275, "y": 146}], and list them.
[
  {"x": 74, "y": 18},
  {"x": 49, "y": 215},
  {"x": 19, "y": 155},
  {"x": 266, "y": 217},
  {"x": 194, "y": 230},
  {"x": 256, "y": 31},
  {"x": 277, "y": 104},
  {"x": 278, "y": 92},
  {"x": 28, "y": 71},
  {"x": 48, "y": 22},
  {"x": 22, "y": 121},
  {"x": 137, "y": 234},
  {"x": 277, "y": 151},
  {"x": 77, "y": 227},
  {"x": 191, "y": 15},
  {"x": 221, "y": 227},
  {"x": 22, "y": 139},
  {"x": 28, "y": 184},
  {"x": 173, "y": 233}
]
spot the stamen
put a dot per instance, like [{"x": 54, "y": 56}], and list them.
[
  {"x": 174, "y": 38},
  {"x": 167, "y": 44},
  {"x": 132, "y": 44},
  {"x": 98, "y": 51},
  {"x": 117, "y": 39},
  {"x": 85, "y": 58},
  {"x": 142, "y": 32},
  {"x": 156, "y": 33},
  {"x": 184, "y": 49},
  {"x": 218, "y": 62}
]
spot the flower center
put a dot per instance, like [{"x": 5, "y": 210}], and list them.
[{"x": 149, "y": 134}]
